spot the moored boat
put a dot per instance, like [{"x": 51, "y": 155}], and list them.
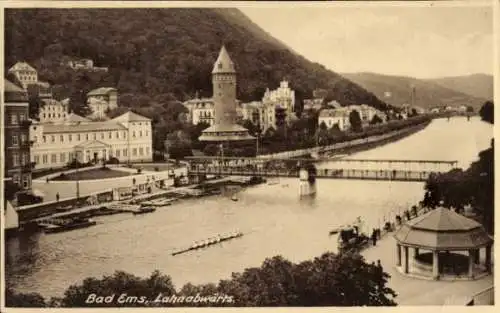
[
  {"x": 143, "y": 210},
  {"x": 67, "y": 225}
]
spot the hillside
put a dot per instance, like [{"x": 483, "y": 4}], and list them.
[
  {"x": 476, "y": 85},
  {"x": 156, "y": 55},
  {"x": 427, "y": 93}
]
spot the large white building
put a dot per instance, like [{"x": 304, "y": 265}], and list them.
[
  {"x": 259, "y": 113},
  {"x": 127, "y": 137},
  {"x": 200, "y": 110},
  {"x": 25, "y": 73},
  {"x": 101, "y": 100},
  {"x": 332, "y": 117},
  {"x": 283, "y": 97},
  {"x": 340, "y": 116}
]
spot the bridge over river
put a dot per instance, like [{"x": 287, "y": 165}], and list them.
[{"x": 371, "y": 169}]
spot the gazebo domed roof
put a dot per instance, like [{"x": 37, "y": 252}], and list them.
[{"x": 443, "y": 229}]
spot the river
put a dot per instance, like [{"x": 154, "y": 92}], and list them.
[{"x": 274, "y": 220}]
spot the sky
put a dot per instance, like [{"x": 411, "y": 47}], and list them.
[{"x": 423, "y": 40}]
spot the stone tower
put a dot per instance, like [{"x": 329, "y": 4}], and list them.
[
  {"x": 225, "y": 128},
  {"x": 224, "y": 89}
]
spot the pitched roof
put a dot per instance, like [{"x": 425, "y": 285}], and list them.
[
  {"x": 79, "y": 128},
  {"x": 21, "y": 66},
  {"x": 220, "y": 132},
  {"x": 443, "y": 229},
  {"x": 442, "y": 219},
  {"x": 101, "y": 91},
  {"x": 92, "y": 144},
  {"x": 14, "y": 93},
  {"x": 224, "y": 64},
  {"x": 333, "y": 113},
  {"x": 11, "y": 87},
  {"x": 130, "y": 117},
  {"x": 74, "y": 118}
]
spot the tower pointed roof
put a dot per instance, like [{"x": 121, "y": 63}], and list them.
[{"x": 224, "y": 64}]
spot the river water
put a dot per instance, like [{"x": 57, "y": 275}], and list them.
[{"x": 274, "y": 220}]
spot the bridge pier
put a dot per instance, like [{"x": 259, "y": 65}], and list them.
[{"x": 307, "y": 184}]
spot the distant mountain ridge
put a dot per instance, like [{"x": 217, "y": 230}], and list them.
[
  {"x": 397, "y": 90},
  {"x": 476, "y": 85}
]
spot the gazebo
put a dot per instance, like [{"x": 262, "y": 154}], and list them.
[{"x": 445, "y": 235}]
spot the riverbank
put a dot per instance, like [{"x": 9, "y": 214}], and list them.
[{"x": 204, "y": 189}]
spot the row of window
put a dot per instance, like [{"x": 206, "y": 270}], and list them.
[
  {"x": 205, "y": 114},
  {"x": 27, "y": 77},
  {"x": 88, "y": 136},
  {"x": 26, "y": 180},
  {"x": 53, "y": 115},
  {"x": 53, "y": 108},
  {"x": 66, "y": 157},
  {"x": 18, "y": 140},
  {"x": 20, "y": 159},
  {"x": 17, "y": 118}
]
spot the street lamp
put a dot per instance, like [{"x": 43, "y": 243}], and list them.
[
  {"x": 257, "y": 141},
  {"x": 75, "y": 159}
]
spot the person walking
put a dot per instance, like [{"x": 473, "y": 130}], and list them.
[
  {"x": 57, "y": 197},
  {"x": 374, "y": 237}
]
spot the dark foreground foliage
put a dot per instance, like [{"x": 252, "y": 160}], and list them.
[{"x": 328, "y": 280}]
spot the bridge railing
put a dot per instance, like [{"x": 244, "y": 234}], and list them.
[{"x": 399, "y": 175}]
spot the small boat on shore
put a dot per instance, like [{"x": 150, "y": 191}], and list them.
[
  {"x": 144, "y": 210},
  {"x": 234, "y": 198},
  {"x": 67, "y": 225}
]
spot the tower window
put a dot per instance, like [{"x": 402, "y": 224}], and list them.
[{"x": 220, "y": 65}]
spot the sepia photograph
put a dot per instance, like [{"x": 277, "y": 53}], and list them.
[{"x": 248, "y": 154}]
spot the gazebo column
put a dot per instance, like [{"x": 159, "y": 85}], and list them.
[
  {"x": 406, "y": 267},
  {"x": 488, "y": 258},
  {"x": 476, "y": 256},
  {"x": 399, "y": 254},
  {"x": 435, "y": 264},
  {"x": 471, "y": 263}
]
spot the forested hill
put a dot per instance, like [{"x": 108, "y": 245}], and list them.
[
  {"x": 158, "y": 54},
  {"x": 477, "y": 85},
  {"x": 428, "y": 93}
]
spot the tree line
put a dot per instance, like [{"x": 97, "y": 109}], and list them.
[{"x": 328, "y": 280}]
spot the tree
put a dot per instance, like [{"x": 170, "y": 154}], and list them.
[
  {"x": 25, "y": 300},
  {"x": 487, "y": 112},
  {"x": 470, "y": 109},
  {"x": 355, "y": 121},
  {"x": 117, "y": 284},
  {"x": 327, "y": 280},
  {"x": 458, "y": 188}
]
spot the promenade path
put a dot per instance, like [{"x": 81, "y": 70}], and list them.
[{"x": 414, "y": 291}]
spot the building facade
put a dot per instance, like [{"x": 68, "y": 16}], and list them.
[
  {"x": 17, "y": 143},
  {"x": 25, "y": 73},
  {"x": 332, "y": 117},
  {"x": 101, "y": 100},
  {"x": 313, "y": 104},
  {"x": 283, "y": 97},
  {"x": 127, "y": 138},
  {"x": 52, "y": 111},
  {"x": 201, "y": 110}
]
